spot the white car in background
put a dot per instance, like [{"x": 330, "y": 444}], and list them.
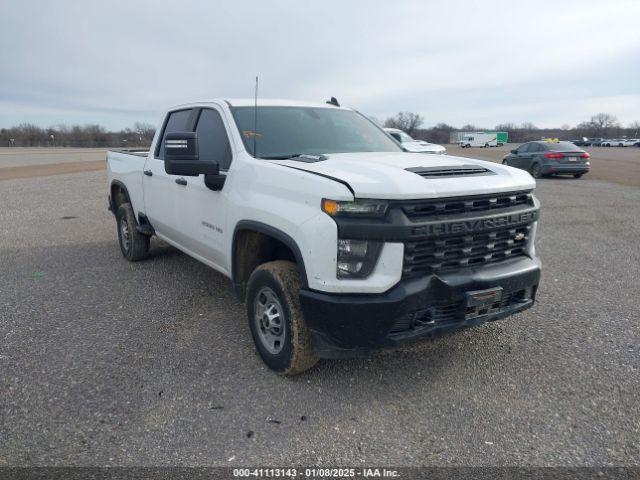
[
  {"x": 414, "y": 146},
  {"x": 619, "y": 142}
]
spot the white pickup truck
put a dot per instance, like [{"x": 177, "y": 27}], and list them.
[
  {"x": 410, "y": 144},
  {"x": 340, "y": 242}
]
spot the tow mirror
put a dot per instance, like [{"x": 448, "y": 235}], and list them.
[{"x": 181, "y": 156}]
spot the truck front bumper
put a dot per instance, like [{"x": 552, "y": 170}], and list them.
[{"x": 359, "y": 324}]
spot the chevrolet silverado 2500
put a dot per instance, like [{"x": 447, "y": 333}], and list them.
[{"x": 339, "y": 242}]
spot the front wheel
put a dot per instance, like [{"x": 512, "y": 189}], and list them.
[
  {"x": 275, "y": 317},
  {"x": 536, "y": 170},
  {"x": 133, "y": 244}
]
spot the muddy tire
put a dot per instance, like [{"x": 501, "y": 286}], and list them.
[
  {"x": 276, "y": 322},
  {"x": 133, "y": 244}
]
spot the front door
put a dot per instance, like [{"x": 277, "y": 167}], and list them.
[{"x": 205, "y": 215}]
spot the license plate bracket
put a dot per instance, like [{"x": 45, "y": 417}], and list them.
[{"x": 484, "y": 298}]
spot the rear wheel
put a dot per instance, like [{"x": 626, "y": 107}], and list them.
[
  {"x": 578, "y": 175},
  {"x": 276, "y": 322},
  {"x": 133, "y": 244},
  {"x": 536, "y": 170}
]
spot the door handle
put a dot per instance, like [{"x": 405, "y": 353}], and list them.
[
  {"x": 181, "y": 181},
  {"x": 148, "y": 173}
]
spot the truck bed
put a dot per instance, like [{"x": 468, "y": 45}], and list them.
[
  {"x": 125, "y": 166},
  {"x": 132, "y": 151}
]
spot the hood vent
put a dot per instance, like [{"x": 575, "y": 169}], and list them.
[{"x": 452, "y": 171}]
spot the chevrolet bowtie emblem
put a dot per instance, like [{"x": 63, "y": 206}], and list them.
[{"x": 519, "y": 236}]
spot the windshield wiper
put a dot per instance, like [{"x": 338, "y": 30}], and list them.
[
  {"x": 304, "y": 157},
  {"x": 281, "y": 157}
]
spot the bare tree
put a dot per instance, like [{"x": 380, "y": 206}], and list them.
[
  {"x": 506, "y": 127},
  {"x": 406, "y": 121},
  {"x": 602, "y": 123},
  {"x": 29, "y": 135}
]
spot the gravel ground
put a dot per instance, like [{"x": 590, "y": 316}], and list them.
[{"x": 104, "y": 362}]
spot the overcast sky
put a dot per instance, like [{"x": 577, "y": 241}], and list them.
[{"x": 485, "y": 62}]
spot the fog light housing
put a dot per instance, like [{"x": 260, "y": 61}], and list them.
[{"x": 357, "y": 258}]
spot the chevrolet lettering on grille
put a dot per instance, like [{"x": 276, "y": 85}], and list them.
[{"x": 475, "y": 225}]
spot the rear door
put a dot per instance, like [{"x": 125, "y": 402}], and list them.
[
  {"x": 163, "y": 196},
  {"x": 536, "y": 152}
]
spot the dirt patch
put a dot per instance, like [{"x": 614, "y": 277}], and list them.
[{"x": 29, "y": 171}]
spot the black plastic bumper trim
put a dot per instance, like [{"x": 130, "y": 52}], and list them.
[{"x": 348, "y": 325}]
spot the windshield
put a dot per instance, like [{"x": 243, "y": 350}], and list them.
[
  {"x": 405, "y": 138},
  {"x": 284, "y": 132}
]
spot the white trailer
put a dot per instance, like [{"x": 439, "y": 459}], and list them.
[{"x": 478, "y": 139}]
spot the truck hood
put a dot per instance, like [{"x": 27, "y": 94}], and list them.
[{"x": 384, "y": 175}]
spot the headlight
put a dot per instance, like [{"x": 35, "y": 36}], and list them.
[
  {"x": 357, "y": 208},
  {"x": 357, "y": 258}
]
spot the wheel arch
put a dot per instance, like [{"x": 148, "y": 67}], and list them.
[
  {"x": 118, "y": 194},
  {"x": 266, "y": 242}
]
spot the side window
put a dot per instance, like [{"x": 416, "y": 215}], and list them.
[
  {"x": 396, "y": 136},
  {"x": 177, "y": 122},
  {"x": 524, "y": 148},
  {"x": 534, "y": 148},
  {"x": 213, "y": 143}
]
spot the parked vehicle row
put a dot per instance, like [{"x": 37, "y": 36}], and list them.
[
  {"x": 621, "y": 142},
  {"x": 607, "y": 142}
]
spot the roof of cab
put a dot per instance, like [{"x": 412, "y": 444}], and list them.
[{"x": 262, "y": 102}]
